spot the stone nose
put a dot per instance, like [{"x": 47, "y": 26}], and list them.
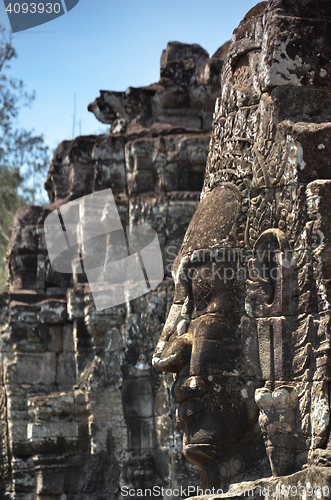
[
  {"x": 174, "y": 347},
  {"x": 176, "y": 353}
]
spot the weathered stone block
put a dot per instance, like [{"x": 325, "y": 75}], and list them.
[
  {"x": 18, "y": 395},
  {"x": 52, "y": 430},
  {"x": 138, "y": 397},
  {"x": 191, "y": 57},
  {"x": 29, "y": 238},
  {"x": 308, "y": 147},
  {"x": 68, "y": 339},
  {"x": 24, "y": 280},
  {"x": 151, "y": 210},
  {"x": 191, "y": 149},
  {"x": 23, "y": 475},
  {"x": 319, "y": 211},
  {"x": 53, "y": 311},
  {"x": 299, "y": 104},
  {"x": 24, "y": 263},
  {"x": 76, "y": 303},
  {"x": 56, "y": 405},
  {"x": 80, "y": 150},
  {"x": 31, "y": 368},
  {"x": 312, "y": 479},
  {"x": 81, "y": 179},
  {"x": 110, "y": 175},
  {"x": 170, "y": 252},
  {"x": 170, "y": 177},
  {"x": 153, "y": 302},
  {"x": 17, "y": 429},
  {"x": 56, "y": 339},
  {"x": 107, "y": 148},
  {"x": 173, "y": 97},
  {"x": 139, "y": 154},
  {"x": 310, "y": 9},
  {"x": 48, "y": 482},
  {"x": 57, "y": 180},
  {"x": 178, "y": 217},
  {"x": 50, "y": 497},
  {"x": 286, "y": 60},
  {"x": 111, "y": 405},
  {"x": 141, "y": 181},
  {"x": 191, "y": 177},
  {"x": 66, "y": 369},
  {"x": 183, "y": 118}
]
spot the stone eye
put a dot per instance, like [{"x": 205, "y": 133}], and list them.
[{"x": 201, "y": 293}]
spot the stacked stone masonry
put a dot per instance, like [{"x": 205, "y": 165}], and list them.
[{"x": 82, "y": 410}]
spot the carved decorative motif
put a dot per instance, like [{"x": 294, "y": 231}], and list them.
[{"x": 259, "y": 318}]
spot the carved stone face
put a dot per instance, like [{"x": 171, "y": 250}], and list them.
[
  {"x": 202, "y": 341},
  {"x": 261, "y": 192}
]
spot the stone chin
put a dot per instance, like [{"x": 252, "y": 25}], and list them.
[
  {"x": 217, "y": 413},
  {"x": 210, "y": 435}
]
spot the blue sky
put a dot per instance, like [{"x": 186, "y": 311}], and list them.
[{"x": 108, "y": 45}]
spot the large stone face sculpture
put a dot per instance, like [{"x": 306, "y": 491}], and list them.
[{"x": 248, "y": 333}]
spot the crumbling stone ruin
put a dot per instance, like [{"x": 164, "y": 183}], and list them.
[
  {"x": 82, "y": 411},
  {"x": 248, "y": 334}
]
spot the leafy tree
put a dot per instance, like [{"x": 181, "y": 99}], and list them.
[{"x": 23, "y": 156}]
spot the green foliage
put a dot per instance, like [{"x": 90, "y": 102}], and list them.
[{"x": 23, "y": 156}]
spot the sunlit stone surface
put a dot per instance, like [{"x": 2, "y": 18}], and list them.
[{"x": 248, "y": 333}]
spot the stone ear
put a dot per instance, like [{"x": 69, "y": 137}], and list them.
[
  {"x": 270, "y": 270},
  {"x": 270, "y": 300}
]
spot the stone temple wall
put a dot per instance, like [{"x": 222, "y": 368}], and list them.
[{"x": 82, "y": 411}]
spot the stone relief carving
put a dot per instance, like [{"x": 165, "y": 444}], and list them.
[{"x": 248, "y": 332}]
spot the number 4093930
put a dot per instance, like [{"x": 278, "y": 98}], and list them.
[{"x": 34, "y": 8}]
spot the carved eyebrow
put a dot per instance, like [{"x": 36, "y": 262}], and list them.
[{"x": 209, "y": 255}]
